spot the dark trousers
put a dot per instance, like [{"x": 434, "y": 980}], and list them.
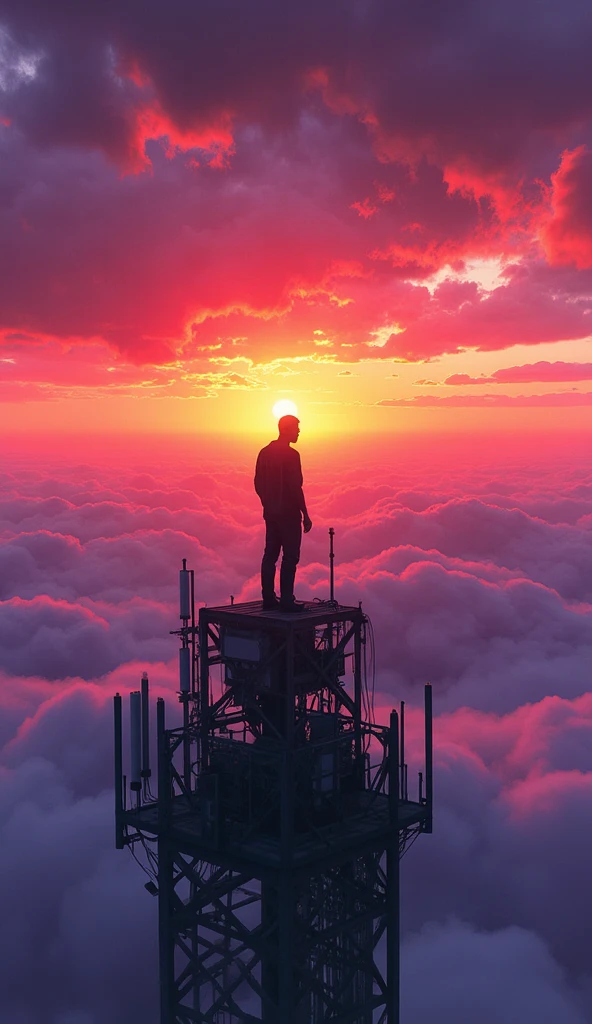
[{"x": 281, "y": 535}]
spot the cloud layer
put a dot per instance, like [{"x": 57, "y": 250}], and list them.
[{"x": 475, "y": 569}]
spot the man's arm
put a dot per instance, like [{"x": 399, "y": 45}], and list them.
[
  {"x": 259, "y": 476},
  {"x": 306, "y": 520}
]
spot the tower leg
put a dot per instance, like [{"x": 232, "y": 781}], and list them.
[
  {"x": 392, "y": 878},
  {"x": 287, "y": 990},
  {"x": 392, "y": 933},
  {"x": 269, "y": 969},
  {"x": 166, "y": 946}
]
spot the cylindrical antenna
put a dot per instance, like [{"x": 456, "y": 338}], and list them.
[
  {"x": 145, "y": 728},
  {"x": 184, "y": 592},
  {"x": 119, "y": 843},
  {"x": 185, "y": 669},
  {"x": 136, "y": 738},
  {"x": 163, "y": 770},
  {"x": 331, "y": 565},
  {"x": 402, "y": 753},
  {"x": 428, "y": 755},
  {"x": 186, "y": 746},
  {"x": 393, "y": 775}
]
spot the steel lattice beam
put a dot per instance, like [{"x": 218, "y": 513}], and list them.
[{"x": 278, "y": 842}]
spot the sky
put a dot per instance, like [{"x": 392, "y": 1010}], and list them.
[{"x": 382, "y": 213}]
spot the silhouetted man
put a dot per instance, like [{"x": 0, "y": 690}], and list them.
[{"x": 278, "y": 482}]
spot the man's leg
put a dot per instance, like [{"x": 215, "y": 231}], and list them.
[
  {"x": 271, "y": 554},
  {"x": 291, "y": 537}
]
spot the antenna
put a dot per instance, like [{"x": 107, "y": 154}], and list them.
[
  {"x": 184, "y": 669},
  {"x": 118, "y": 751},
  {"x": 184, "y": 598},
  {"x": 429, "y": 757},
  {"x": 403, "y": 794},
  {"x": 187, "y": 654},
  {"x": 331, "y": 566},
  {"x": 135, "y": 738},
  {"x": 146, "y": 773}
]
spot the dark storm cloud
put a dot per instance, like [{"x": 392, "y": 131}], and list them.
[
  {"x": 471, "y": 75},
  {"x": 281, "y": 123}
]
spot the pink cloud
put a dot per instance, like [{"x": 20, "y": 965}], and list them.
[
  {"x": 365, "y": 208},
  {"x": 561, "y": 399},
  {"x": 567, "y": 234},
  {"x": 529, "y": 374}
]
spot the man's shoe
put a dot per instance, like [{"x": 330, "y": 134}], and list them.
[
  {"x": 292, "y": 606},
  {"x": 270, "y": 604}
]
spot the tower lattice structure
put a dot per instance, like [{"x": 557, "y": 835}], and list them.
[{"x": 281, "y": 815}]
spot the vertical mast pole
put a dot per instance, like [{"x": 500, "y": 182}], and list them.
[
  {"x": 402, "y": 753},
  {"x": 187, "y": 614},
  {"x": 392, "y": 878},
  {"x": 204, "y": 690},
  {"x": 166, "y": 946},
  {"x": 119, "y": 843},
  {"x": 358, "y": 751},
  {"x": 428, "y": 755},
  {"x": 146, "y": 772}
]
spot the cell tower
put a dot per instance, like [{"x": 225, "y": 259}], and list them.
[{"x": 281, "y": 814}]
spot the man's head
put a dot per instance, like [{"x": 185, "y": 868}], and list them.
[{"x": 289, "y": 428}]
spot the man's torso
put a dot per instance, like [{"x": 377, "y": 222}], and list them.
[{"x": 278, "y": 481}]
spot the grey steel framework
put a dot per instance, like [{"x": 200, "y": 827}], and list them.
[{"x": 281, "y": 816}]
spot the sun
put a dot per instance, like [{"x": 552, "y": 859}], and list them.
[{"x": 284, "y": 407}]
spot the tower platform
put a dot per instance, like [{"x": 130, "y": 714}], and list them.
[
  {"x": 281, "y": 815},
  {"x": 369, "y": 826},
  {"x": 315, "y": 613}
]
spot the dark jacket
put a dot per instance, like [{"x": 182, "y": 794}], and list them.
[{"x": 278, "y": 481}]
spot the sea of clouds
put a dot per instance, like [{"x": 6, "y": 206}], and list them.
[{"x": 475, "y": 566}]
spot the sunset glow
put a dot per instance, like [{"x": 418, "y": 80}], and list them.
[
  {"x": 423, "y": 269},
  {"x": 284, "y": 407}
]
